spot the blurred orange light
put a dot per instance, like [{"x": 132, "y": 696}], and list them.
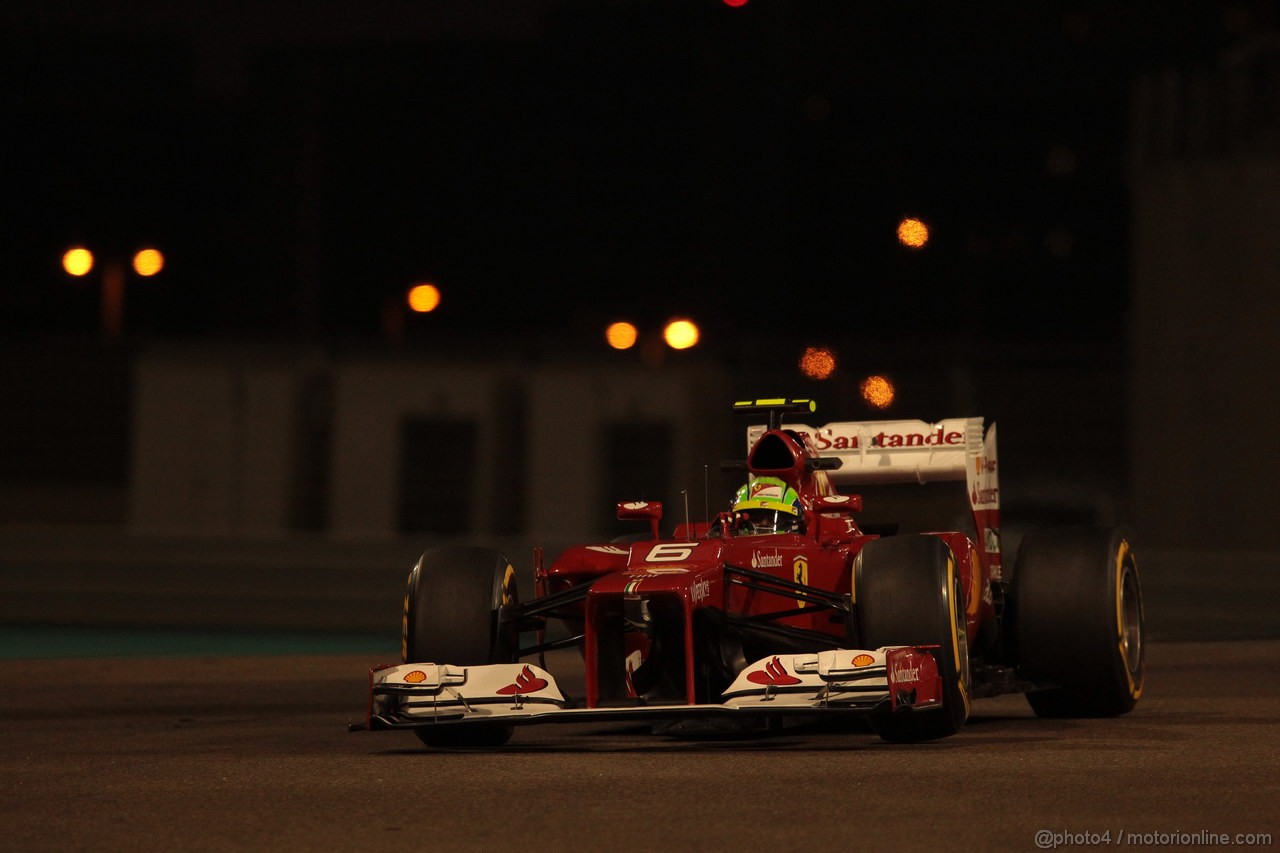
[
  {"x": 913, "y": 233},
  {"x": 148, "y": 262},
  {"x": 818, "y": 362},
  {"x": 621, "y": 335},
  {"x": 878, "y": 391},
  {"x": 423, "y": 298},
  {"x": 77, "y": 261},
  {"x": 680, "y": 334}
]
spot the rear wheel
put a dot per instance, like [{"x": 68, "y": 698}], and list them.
[
  {"x": 908, "y": 592},
  {"x": 1078, "y": 621},
  {"x": 451, "y": 609}
]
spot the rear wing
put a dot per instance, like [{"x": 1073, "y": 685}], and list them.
[{"x": 874, "y": 452}]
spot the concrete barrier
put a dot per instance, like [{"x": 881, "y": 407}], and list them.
[
  {"x": 109, "y": 579},
  {"x": 89, "y": 578}
]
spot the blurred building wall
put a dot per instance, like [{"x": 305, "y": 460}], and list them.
[
  {"x": 569, "y": 407},
  {"x": 221, "y": 443},
  {"x": 371, "y": 401},
  {"x": 1205, "y": 180},
  {"x": 65, "y": 426},
  {"x": 215, "y": 441}
]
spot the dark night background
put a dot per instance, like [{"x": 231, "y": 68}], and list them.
[
  {"x": 255, "y": 466},
  {"x": 580, "y": 161},
  {"x": 557, "y": 165},
  {"x": 1100, "y": 179}
]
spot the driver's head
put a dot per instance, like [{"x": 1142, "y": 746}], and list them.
[{"x": 768, "y": 505}]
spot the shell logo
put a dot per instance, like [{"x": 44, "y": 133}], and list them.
[
  {"x": 863, "y": 660},
  {"x": 415, "y": 677}
]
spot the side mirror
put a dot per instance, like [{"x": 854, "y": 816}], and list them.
[
  {"x": 838, "y": 503},
  {"x": 641, "y": 510},
  {"x": 833, "y": 517}
]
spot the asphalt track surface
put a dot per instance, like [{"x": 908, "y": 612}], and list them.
[{"x": 252, "y": 753}]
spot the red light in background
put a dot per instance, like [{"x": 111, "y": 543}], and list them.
[
  {"x": 818, "y": 363},
  {"x": 878, "y": 391},
  {"x": 734, "y": 3},
  {"x": 913, "y": 233}
]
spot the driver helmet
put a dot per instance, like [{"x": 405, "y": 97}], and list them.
[{"x": 768, "y": 505}]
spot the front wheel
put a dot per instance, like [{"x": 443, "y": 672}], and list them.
[
  {"x": 1078, "y": 621},
  {"x": 451, "y": 615},
  {"x": 908, "y": 593}
]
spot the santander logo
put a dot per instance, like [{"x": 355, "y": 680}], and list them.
[
  {"x": 774, "y": 674},
  {"x": 905, "y": 674},
  {"x": 526, "y": 682},
  {"x": 766, "y": 561}
]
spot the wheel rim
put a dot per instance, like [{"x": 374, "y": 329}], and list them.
[{"x": 1131, "y": 625}]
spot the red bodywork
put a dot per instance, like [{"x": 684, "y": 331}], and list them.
[{"x": 668, "y": 619}]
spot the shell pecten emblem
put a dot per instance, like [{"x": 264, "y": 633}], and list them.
[
  {"x": 863, "y": 660},
  {"x": 417, "y": 676}
]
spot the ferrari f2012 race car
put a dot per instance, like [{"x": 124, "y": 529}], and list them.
[{"x": 782, "y": 608}]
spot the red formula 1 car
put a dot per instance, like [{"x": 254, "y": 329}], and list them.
[{"x": 782, "y": 608}]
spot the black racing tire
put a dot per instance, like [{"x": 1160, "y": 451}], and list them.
[
  {"x": 907, "y": 592},
  {"x": 451, "y": 609},
  {"x": 1077, "y": 621}
]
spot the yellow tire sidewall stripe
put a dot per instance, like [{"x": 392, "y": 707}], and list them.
[
  {"x": 1122, "y": 556},
  {"x": 952, "y": 607}
]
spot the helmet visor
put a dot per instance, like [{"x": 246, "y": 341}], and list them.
[{"x": 756, "y": 521}]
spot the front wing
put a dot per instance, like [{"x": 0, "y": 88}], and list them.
[{"x": 839, "y": 681}]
